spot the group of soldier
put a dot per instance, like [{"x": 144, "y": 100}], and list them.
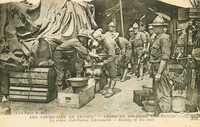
[
  {"x": 107, "y": 49},
  {"x": 143, "y": 52},
  {"x": 149, "y": 52},
  {"x": 152, "y": 50}
]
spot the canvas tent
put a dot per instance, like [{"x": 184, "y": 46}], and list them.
[
  {"x": 65, "y": 18},
  {"x": 55, "y": 19}
]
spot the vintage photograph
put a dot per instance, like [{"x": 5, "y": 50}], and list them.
[{"x": 138, "y": 58}]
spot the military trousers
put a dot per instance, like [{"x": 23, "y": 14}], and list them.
[{"x": 162, "y": 89}]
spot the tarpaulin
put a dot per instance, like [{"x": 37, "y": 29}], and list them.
[
  {"x": 9, "y": 1},
  {"x": 63, "y": 19},
  {"x": 178, "y": 3}
]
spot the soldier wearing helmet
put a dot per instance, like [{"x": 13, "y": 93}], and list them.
[
  {"x": 74, "y": 52},
  {"x": 159, "y": 56},
  {"x": 112, "y": 49},
  {"x": 139, "y": 43},
  {"x": 112, "y": 30},
  {"x": 152, "y": 34}
]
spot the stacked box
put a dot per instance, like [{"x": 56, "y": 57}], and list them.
[
  {"x": 34, "y": 85},
  {"x": 77, "y": 100}
]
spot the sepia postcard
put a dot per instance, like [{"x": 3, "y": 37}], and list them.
[{"x": 96, "y": 63}]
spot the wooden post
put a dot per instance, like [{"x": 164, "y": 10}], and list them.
[{"x": 121, "y": 15}]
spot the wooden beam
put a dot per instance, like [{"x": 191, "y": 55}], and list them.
[{"x": 122, "y": 19}]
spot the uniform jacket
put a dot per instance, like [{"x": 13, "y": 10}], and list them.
[
  {"x": 139, "y": 40},
  {"x": 76, "y": 44},
  {"x": 161, "y": 48}
]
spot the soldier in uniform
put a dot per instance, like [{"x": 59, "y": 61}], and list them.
[
  {"x": 159, "y": 56},
  {"x": 146, "y": 48},
  {"x": 131, "y": 33},
  {"x": 77, "y": 47},
  {"x": 112, "y": 30},
  {"x": 152, "y": 35},
  {"x": 124, "y": 57},
  {"x": 151, "y": 40},
  {"x": 139, "y": 44},
  {"x": 109, "y": 47},
  {"x": 181, "y": 41}
]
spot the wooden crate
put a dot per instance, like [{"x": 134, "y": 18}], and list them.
[
  {"x": 95, "y": 81},
  {"x": 35, "y": 85},
  {"x": 77, "y": 100}
]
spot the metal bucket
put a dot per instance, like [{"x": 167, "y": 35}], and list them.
[
  {"x": 78, "y": 84},
  {"x": 150, "y": 106}
]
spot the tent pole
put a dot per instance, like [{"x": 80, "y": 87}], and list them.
[{"x": 121, "y": 15}]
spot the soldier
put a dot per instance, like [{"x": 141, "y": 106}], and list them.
[
  {"x": 112, "y": 30},
  {"x": 78, "y": 52},
  {"x": 181, "y": 41},
  {"x": 159, "y": 56},
  {"x": 111, "y": 63},
  {"x": 146, "y": 48},
  {"x": 152, "y": 35},
  {"x": 124, "y": 57},
  {"x": 131, "y": 33},
  {"x": 139, "y": 45}
]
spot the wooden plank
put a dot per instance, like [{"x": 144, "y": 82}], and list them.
[
  {"x": 25, "y": 75},
  {"x": 28, "y": 98},
  {"x": 28, "y": 89},
  {"x": 28, "y": 93},
  {"x": 24, "y": 93},
  {"x": 37, "y": 98},
  {"x": 18, "y": 97},
  {"x": 39, "y": 89},
  {"x": 28, "y": 81},
  {"x": 38, "y": 93},
  {"x": 28, "y": 85},
  {"x": 20, "y": 88}
]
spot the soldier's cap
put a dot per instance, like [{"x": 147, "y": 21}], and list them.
[
  {"x": 84, "y": 33},
  {"x": 150, "y": 27},
  {"x": 130, "y": 29},
  {"x": 159, "y": 21},
  {"x": 97, "y": 33},
  {"x": 135, "y": 25},
  {"x": 112, "y": 24}
]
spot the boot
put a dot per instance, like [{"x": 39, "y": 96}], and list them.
[
  {"x": 124, "y": 75},
  {"x": 109, "y": 93}
]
